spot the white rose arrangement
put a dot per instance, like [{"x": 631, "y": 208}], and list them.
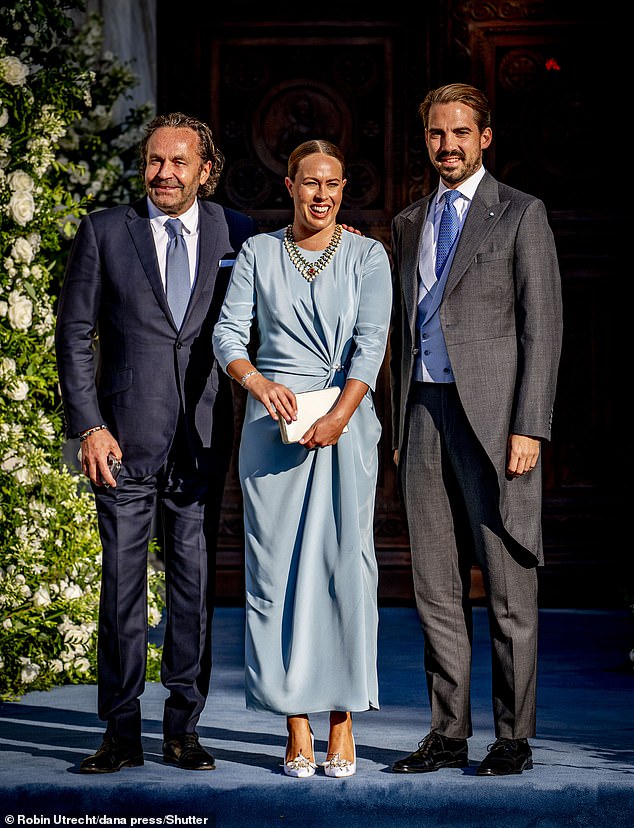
[{"x": 60, "y": 155}]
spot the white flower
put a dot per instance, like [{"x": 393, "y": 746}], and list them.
[
  {"x": 47, "y": 428},
  {"x": 24, "y": 590},
  {"x": 20, "y": 181},
  {"x": 22, "y": 207},
  {"x": 7, "y": 624},
  {"x": 75, "y": 635},
  {"x": 34, "y": 239},
  {"x": 4, "y": 118},
  {"x": 7, "y": 367},
  {"x": 56, "y": 666},
  {"x": 154, "y": 616},
  {"x": 29, "y": 670},
  {"x": 22, "y": 250},
  {"x": 82, "y": 665},
  {"x": 71, "y": 592},
  {"x": 9, "y": 462},
  {"x": 4, "y": 307},
  {"x": 41, "y": 597},
  {"x": 13, "y": 71},
  {"x": 18, "y": 391},
  {"x": 20, "y": 311},
  {"x": 10, "y": 267}
]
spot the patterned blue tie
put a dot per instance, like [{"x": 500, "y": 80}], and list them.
[
  {"x": 448, "y": 230},
  {"x": 177, "y": 281}
]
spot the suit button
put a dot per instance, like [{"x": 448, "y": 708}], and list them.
[{"x": 179, "y": 345}]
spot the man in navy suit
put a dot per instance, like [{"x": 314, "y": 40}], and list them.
[{"x": 142, "y": 388}]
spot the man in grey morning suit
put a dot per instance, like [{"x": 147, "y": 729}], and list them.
[
  {"x": 159, "y": 403},
  {"x": 475, "y": 351}
]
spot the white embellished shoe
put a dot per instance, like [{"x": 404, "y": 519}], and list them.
[
  {"x": 339, "y": 767},
  {"x": 301, "y": 767}
]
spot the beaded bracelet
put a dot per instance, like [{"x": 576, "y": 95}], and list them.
[
  {"x": 246, "y": 376},
  {"x": 85, "y": 434}
]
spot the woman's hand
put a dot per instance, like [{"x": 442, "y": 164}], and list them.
[
  {"x": 275, "y": 397},
  {"x": 329, "y": 428},
  {"x": 325, "y": 432},
  {"x": 278, "y": 400}
]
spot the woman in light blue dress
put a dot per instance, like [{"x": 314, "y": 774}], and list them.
[{"x": 319, "y": 298}]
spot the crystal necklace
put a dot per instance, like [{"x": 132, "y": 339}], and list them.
[{"x": 310, "y": 269}]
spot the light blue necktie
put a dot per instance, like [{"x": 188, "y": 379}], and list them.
[
  {"x": 448, "y": 230},
  {"x": 177, "y": 284}
]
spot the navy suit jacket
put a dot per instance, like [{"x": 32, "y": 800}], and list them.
[{"x": 120, "y": 357}]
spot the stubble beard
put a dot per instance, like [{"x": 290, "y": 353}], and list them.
[{"x": 461, "y": 173}]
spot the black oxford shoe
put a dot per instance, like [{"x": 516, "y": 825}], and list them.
[
  {"x": 112, "y": 756},
  {"x": 434, "y": 752},
  {"x": 187, "y": 752},
  {"x": 506, "y": 756}
]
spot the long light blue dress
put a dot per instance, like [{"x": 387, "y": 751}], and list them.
[{"x": 311, "y": 572}]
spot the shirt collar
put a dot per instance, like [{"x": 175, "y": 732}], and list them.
[
  {"x": 467, "y": 187},
  {"x": 189, "y": 218}
]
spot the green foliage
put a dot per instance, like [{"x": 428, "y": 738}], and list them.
[{"x": 60, "y": 155}]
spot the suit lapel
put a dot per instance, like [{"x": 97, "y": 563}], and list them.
[
  {"x": 209, "y": 230},
  {"x": 213, "y": 245},
  {"x": 484, "y": 213},
  {"x": 412, "y": 231},
  {"x": 141, "y": 232}
]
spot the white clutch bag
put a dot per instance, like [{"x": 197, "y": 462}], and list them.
[{"x": 311, "y": 405}]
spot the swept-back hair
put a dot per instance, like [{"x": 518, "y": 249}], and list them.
[{"x": 458, "y": 93}]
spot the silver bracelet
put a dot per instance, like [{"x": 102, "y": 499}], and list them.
[
  {"x": 85, "y": 434},
  {"x": 246, "y": 376}
]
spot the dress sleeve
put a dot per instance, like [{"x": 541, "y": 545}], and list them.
[
  {"x": 233, "y": 328},
  {"x": 373, "y": 317}
]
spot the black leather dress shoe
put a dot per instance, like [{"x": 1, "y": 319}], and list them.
[
  {"x": 506, "y": 756},
  {"x": 187, "y": 752},
  {"x": 434, "y": 751},
  {"x": 112, "y": 756}
]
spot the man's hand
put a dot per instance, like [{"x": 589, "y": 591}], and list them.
[
  {"x": 94, "y": 457},
  {"x": 523, "y": 453}
]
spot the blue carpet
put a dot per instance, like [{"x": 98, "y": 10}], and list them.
[{"x": 584, "y": 751}]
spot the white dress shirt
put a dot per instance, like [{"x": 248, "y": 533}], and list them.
[
  {"x": 189, "y": 220},
  {"x": 432, "y": 362}
]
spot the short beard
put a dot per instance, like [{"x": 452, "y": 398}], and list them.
[{"x": 459, "y": 175}]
